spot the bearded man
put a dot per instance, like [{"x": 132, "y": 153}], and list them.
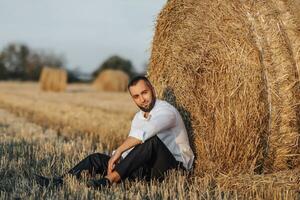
[{"x": 157, "y": 142}]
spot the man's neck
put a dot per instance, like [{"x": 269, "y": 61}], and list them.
[{"x": 146, "y": 114}]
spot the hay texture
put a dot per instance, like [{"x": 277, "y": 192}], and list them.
[
  {"x": 53, "y": 79},
  {"x": 229, "y": 68},
  {"x": 294, "y": 9},
  {"x": 112, "y": 80},
  {"x": 280, "y": 185},
  {"x": 286, "y": 140}
]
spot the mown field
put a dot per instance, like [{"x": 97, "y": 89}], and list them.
[{"x": 47, "y": 133}]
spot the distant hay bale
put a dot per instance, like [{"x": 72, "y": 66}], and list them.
[
  {"x": 229, "y": 68},
  {"x": 112, "y": 80},
  {"x": 53, "y": 79}
]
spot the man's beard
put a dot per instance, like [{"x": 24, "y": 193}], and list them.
[{"x": 150, "y": 106}]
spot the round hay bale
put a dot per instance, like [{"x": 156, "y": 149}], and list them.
[
  {"x": 112, "y": 80},
  {"x": 294, "y": 9},
  {"x": 229, "y": 70},
  {"x": 53, "y": 79},
  {"x": 284, "y": 146}
]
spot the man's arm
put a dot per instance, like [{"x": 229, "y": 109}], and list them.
[
  {"x": 140, "y": 132},
  {"x": 127, "y": 144},
  {"x": 160, "y": 121}
]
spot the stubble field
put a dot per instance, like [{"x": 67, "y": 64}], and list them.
[{"x": 47, "y": 133}]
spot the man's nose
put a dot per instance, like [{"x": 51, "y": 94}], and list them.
[{"x": 142, "y": 99}]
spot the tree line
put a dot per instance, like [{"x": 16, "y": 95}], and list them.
[{"x": 20, "y": 62}]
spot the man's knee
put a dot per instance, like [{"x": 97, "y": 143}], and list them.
[
  {"x": 154, "y": 141},
  {"x": 94, "y": 156}
]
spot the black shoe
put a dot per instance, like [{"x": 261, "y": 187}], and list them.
[
  {"x": 98, "y": 184},
  {"x": 45, "y": 182}
]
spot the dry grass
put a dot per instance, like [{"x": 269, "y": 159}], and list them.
[
  {"x": 231, "y": 68},
  {"x": 79, "y": 111},
  {"x": 27, "y": 148}
]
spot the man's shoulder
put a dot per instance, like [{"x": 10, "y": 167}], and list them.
[
  {"x": 137, "y": 114},
  {"x": 164, "y": 105}
]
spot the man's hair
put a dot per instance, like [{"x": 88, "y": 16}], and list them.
[{"x": 136, "y": 79}]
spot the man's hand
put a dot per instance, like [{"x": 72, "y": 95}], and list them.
[
  {"x": 111, "y": 163},
  {"x": 127, "y": 144}
]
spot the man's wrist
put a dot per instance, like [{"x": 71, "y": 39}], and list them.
[{"x": 119, "y": 151}]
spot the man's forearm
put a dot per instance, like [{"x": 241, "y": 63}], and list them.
[{"x": 128, "y": 143}]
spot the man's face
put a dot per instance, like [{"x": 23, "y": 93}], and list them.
[{"x": 143, "y": 95}]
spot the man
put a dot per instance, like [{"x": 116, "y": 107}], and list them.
[{"x": 157, "y": 142}]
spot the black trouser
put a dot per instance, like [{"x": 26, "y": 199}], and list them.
[{"x": 149, "y": 160}]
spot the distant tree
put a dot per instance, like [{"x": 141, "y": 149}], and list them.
[
  {"x": 51, "y": 59},
  {"x": 14, "y": 60},
  {"x": 33, "y": 67},
  {"x": 116, "y": 62},
  {"x": 145, "y": 68},
  {"x": 37, "y": 60},
  {"x": 74, "y": 75},
  {"x": 3, "y": 72},
  {"x": 20, "y": 62}
]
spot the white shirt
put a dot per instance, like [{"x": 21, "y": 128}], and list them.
[{"x": 164, "y": 121}]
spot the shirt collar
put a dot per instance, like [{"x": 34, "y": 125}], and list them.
[{"x": 150, "y": 113}]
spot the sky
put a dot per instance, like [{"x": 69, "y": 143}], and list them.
[{"x": 84, "y": 32}]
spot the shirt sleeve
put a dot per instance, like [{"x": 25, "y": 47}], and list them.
[{"x": 159, "y": 121}]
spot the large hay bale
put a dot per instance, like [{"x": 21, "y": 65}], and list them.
[
  {"x": 53, "y": 79},
  {"x": 227, "y": 66},
  {"x": 294, "y": 8},
  {"x": 111, "y": 80},
  {"x": 285, "y": 144}
]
